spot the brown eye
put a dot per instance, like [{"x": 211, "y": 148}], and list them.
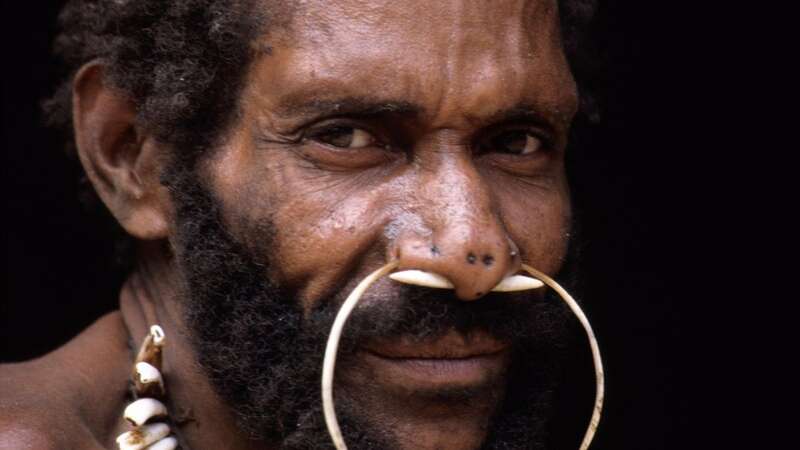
[
  {"x": 516, "y": 143},
  {"x": 345, "y": 137}
]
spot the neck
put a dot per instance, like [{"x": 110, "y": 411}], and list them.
[{"x": 151, "y": 295}]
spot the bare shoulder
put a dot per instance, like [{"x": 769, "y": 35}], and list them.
[
  {"x": 27, "y": 434},
  {"x": 69, "y": 398},
  {"x": 36, "y": 416}
]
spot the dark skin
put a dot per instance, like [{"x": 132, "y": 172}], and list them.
[{"x": 371, "y": 133}]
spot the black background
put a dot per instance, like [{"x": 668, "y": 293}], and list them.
[{"x": 648, "y": 184}]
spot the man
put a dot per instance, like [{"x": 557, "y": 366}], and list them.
[{"x": 267, "y": 156}]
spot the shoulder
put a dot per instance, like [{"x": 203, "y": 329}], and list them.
[
  {"x": 37, "y": 412},
  {"x": 67, "y": 399},
  {"x": 21, "y": 437},
  {"x": 22, "y": 429}
]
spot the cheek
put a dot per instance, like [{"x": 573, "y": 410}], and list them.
[
  {"x": 325, "y": 227},
  {"x": 323, "y": 224},
  {"x": 539, "y": 222},
  {"x": 318, "y": 239}
]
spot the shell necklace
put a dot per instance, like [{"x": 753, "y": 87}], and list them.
[{"x": 147, "y": 413}]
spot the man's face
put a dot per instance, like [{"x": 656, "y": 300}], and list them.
[{"x": 428, "y": 132}]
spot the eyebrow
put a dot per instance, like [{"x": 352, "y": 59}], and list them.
[
  {"x": 521, "y": 112},
  {"x": 367, "y": 106},
  {"x": 348, "y": 106}
]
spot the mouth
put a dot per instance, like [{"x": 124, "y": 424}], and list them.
[{"x": 452, "y": 361}]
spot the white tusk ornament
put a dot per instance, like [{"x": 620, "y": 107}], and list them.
[
  {"x": 141, "y": 411},
  {"x": 140, "y": 438},
  {"x": 420, "y": 278},
  {"x": 513, "y": 283},
  {"x": 516, "y": 283}
]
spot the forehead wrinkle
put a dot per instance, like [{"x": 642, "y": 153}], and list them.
[
  {"x": 448, "y": 70},
  {"x": 498, "y": 52}
]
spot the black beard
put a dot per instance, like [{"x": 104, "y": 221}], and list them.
[{"x": 264, "y": 357}]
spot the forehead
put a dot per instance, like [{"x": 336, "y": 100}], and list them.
[{"x": 451, "y": 57}]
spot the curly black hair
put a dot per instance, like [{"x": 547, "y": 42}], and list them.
[{"x": 180, "y": 61}]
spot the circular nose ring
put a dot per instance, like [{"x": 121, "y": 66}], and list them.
[
  {"x": 350, "y": 303},
  {"x": 597, "y": 411},
  {"x": 329, "y": 363}
]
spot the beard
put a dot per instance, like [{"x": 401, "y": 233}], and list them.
[{"x": 263, "y": 354}]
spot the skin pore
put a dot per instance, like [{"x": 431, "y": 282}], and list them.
[{"x": 432, "y": 133}]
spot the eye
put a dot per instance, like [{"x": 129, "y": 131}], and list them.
[
  {"x": 345, "y": 137},
  {"x": 517, "y": 142}
]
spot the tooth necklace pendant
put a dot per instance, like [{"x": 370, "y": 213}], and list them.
[{"x": 147, "y": 412}]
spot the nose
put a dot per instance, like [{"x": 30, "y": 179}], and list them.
[{"x": 462, "y": 237}]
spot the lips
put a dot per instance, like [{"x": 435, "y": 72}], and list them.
[
  {"x": 453, "y": 360},
  {"x": 452, "y": 345}
]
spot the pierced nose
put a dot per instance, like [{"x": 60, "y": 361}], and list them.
[{"x": 486, "y": 260}]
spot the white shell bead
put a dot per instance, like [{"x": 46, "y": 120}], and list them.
[
  {"x": 148, "y": 374},
  {"x": 158, "y": 335},
  {"x": 168, "y": 443},
  {"x": 142, "y": 437},
  {"x": 144, "y": 409}
]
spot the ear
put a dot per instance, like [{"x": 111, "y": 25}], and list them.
[{"x": 122, "y": 163}]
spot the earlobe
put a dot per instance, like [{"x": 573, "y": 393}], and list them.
[{"x": 122, "y": 162}]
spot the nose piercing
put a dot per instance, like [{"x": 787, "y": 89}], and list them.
[
  {"x": 427, "y": 279},
  {"x": 513, "y": 283}
]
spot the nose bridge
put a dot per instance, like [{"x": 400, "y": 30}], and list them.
[{"x": 465, "y": 241}]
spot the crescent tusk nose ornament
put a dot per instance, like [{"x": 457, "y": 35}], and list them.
[
  {"x": 513, "y": 283},
  {"x": 516, "y": 283},
  {"x": 420, "y": 278}
]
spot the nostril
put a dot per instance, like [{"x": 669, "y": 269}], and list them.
[
  {"x": 471, "y": 258},
  {"x": 488, "y": 260}
]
